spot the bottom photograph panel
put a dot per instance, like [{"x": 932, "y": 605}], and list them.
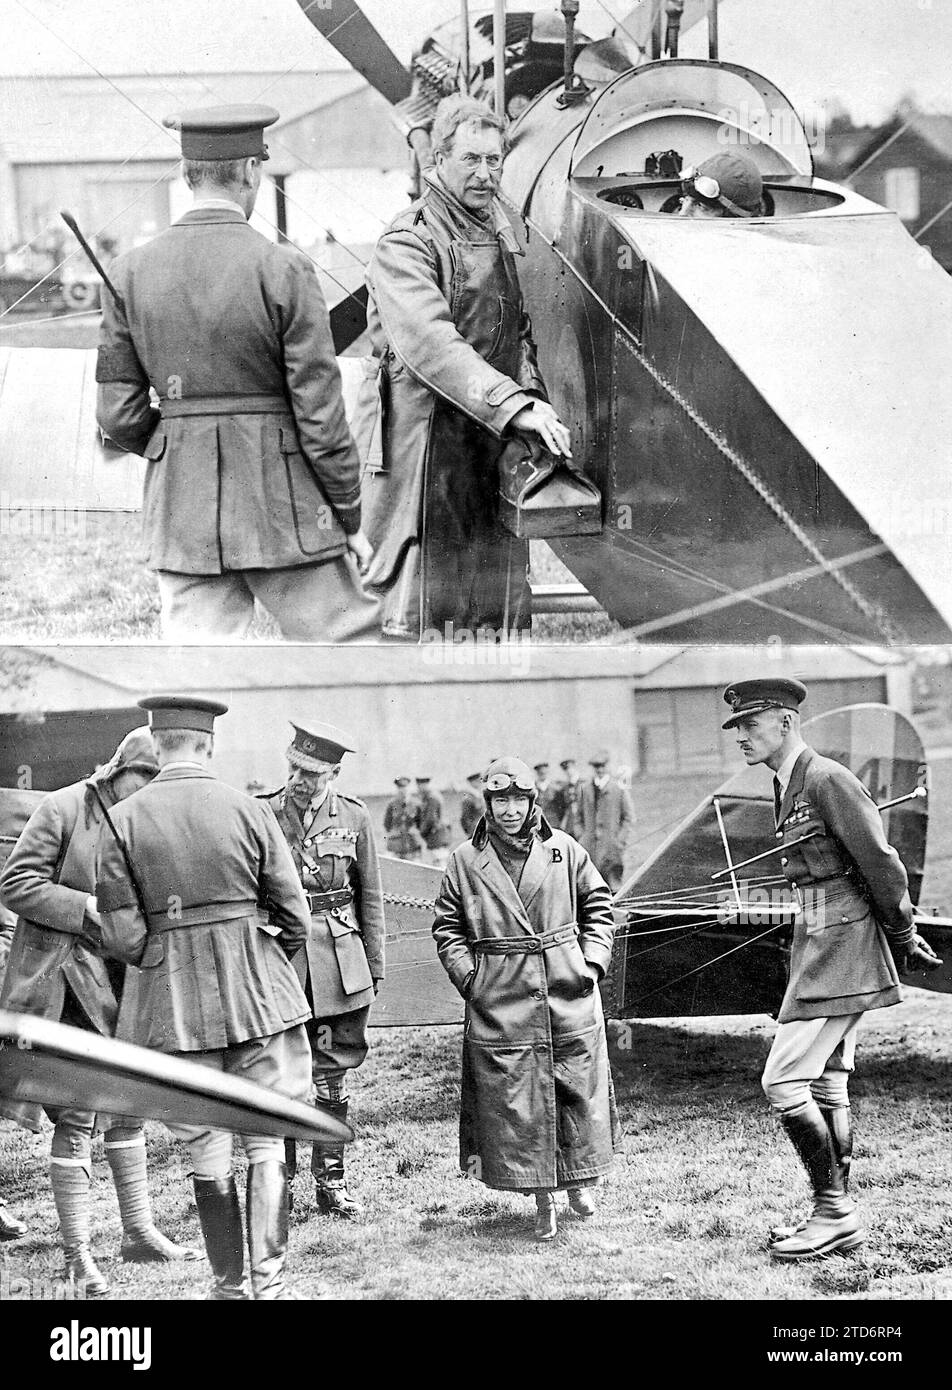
[{"x": 475, "y": 973}]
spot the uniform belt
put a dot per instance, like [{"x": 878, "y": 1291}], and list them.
[
  {"x": 225, "y": 405},
  {"x": 525, "y": 945},
  {"x": 198, "y": 914},
  {"x": 323, "y": 902}
]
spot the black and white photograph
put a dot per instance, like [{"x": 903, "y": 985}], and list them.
[{"x": 476, "y": 661}]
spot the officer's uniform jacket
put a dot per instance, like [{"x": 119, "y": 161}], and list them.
[
  {"x": 403, "y": 821},
  {"x": 336, "y": 857},
  {"x": 855, "y": 894},
  {"x": 46, "y": 881},
  {"x": 222, "y": 908},
  {"x": 435, "y": 832},
  {"x": 456, "y": 363},
  {"x": 251, "y": 462},
  {"x": 606, "y": 816}
]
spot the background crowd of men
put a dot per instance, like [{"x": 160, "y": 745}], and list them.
[{"x": 597, "y": 811}]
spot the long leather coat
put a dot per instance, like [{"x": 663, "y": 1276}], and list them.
[
  {"x": 46, "y": 881},
  {"x": 223, "y": 909},
  {"x": 49, "y": 875},
  {"x": 251, "y": 463},
  {"x": 334, "y": 852},
  {"x": 456, "y": 362},
  {"x": 537, "y": 1106},
  {"x": 855, "y": 894}
]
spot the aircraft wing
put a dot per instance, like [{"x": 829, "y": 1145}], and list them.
[{"x": 53, "y": 1064}]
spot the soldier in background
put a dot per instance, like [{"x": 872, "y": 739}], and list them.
[
  {"x": 569, "y": 808},
  {"x": 547, "y": 794},
  {"x": 472, "y": 805},
  {"x": 607, "y": 818},
  {"x": 435, "y": 832},
  {"x": 402, "y": 821},
  {"x": 331, "y": 839}
]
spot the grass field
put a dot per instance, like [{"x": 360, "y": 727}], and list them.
[
  {"x": 93, "y": 587},
  {"x": 705, "y": 1173}
]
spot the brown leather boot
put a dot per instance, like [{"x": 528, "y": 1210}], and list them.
[
  {"x": 839, "y": 1121},
  {"x": 582, "y": 1201},
  {"x": 267, "y": 1213},
  {"x": 142, "y": 1241},
  {"x": 220, "y": 1218},
  {"x": 833, "y": 1224},
  {"x": 546, "y": 1222},
  {"x": 11, "y": 1227}
]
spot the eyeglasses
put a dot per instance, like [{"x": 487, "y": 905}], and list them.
[
  {"x": 506, "y": 781},
  {"x": 472, "y": 161}
]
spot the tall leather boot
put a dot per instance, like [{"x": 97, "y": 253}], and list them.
[
  {"x": 839, "y": 1121},
  {"x": 267, "y": 1213},
  {"x": 220, "y": 1218},
  {"x": 142, "y": 1241},
  {"x": 69, "y": 1179},
  {"x": 833, "y": 1224},
  {"x": 327, "y": 1165}
]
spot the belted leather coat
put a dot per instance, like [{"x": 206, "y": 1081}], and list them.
[
  {"x": 456, "y": 362},
  {"x": 537, "y": 1107}
]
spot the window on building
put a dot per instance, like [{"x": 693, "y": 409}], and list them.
[{"x": 901, "y": 192}]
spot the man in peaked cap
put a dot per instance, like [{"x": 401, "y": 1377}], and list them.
[
  {"x": 331, "y": 839},
  {"x": 852, "y": 939},
  {"x": 433, "y": 828},
  {"x": 253, "y": 482},
  {"x": 568, "y": 808},
  {"x": 403, "y": 822},
  {"x": 606, "y": 817},
  {"x": 547, "y": 793},
  {"x": 57, "y": 970},
  {"x": 196, "y": 887},
  {"x": 471, "y": 805}
]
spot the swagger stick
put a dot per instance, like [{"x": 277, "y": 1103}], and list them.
[{"x": 71, "y": 223}]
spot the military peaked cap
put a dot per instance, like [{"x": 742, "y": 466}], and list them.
[
  {"x": 182, "y": 712},
  {"x": 753, "y": 697},
  {"x": 223, "y": 132},
  {"x": 322, "y": 743}
]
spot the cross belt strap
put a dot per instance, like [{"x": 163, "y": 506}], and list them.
[
  {"x": 199, "y": 914},
  {"x": 323, "y": 902},
  {"x": 224, "y": 405},
  {"x": 525, "y": 945}
]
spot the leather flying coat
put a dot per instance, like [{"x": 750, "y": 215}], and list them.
[
  {"x": 224, "y": 909},
  {"x": 855, "y": 893},
  {"x": 334, "y": 852},
  {"x": 251, "y": 463},
  {"x": 456, "y": 363},
  {"x": 537, "y": 1106}
]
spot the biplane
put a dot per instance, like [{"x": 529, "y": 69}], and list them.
[
  {"x": 756, "y": 402},
  {"x": 703, "y": 927}
]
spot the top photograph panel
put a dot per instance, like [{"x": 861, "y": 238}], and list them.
[{"x": 373, "y": 322}]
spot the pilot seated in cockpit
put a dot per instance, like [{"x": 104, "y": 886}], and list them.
[{"x": 728, "y": 184}]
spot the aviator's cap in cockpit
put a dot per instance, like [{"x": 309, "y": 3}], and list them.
[
  {"x": 730, "y": 180},
  {"x": 753, "y": 697},
  {"x": 223, "y": 132}
]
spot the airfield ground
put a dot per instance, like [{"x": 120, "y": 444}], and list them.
[{"x": 705, "y": 1173}]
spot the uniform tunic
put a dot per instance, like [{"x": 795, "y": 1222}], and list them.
[
  {"x": 537, "y": 1106},
  {"x": 251, "y": 462},
  {"x": 223, "y": 910},
  {"x": 403, "y": 822},
  {"x": 855, "y": 891},
  {"x": 334, "y": 852}
]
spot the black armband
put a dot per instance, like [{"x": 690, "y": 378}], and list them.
[{"x": 120, "y": 363}]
